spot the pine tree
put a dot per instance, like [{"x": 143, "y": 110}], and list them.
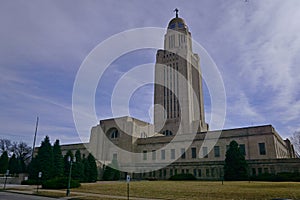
[
  {"x": 235, "y": 164},
  {"x": 93, "y": 175},
  {"x": 67, "y": 163},
  {"x": 33, "y": 169},
  {"x": 110, "y": 172},
  {"x": 3, "y": 162},
  {"x": 45, "y": 159},
  {"x": 78, "y": 168},
  {"x": 14, "y": 165},
  {"x": 86, "y": 169},
  {"x": 58, "y": 161}
]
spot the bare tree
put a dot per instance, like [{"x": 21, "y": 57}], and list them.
[
  {"x": 5, "y": 145},
  {"x": 21, "y": 150},
  {"x": 296, "y": 141}
]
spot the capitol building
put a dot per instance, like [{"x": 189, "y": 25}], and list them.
[{"x": 179, "y": 140}]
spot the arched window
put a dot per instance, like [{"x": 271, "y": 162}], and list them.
[
  {"x": 167, "y": 133},
  {"x": 113, "y": 133}
]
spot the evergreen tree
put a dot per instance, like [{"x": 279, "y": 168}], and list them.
[
  {"x": 45, "y": 159},
  {"x": 235, "y": 164},
  {"x": 58, "y": 161},
  {"x": 110, "y": 172},
  {"x": 3, "y": 162},
  {"x": 86, "y": 169},
  {"x": 90, "y": 169},
  {"x": 67, "y": 163},
  {"x": 33, "y": 169},
  {"x": 14, "y": 165},
  {"x": 93, "y": 175},
  {"x": 78, "y": 168}
]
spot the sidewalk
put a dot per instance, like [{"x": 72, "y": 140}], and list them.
[{"x": 31, "y": 190}]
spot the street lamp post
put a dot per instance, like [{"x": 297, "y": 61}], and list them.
[{"x": 70, "y": 174}]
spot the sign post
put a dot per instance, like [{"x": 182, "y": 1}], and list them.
[
  {"x": 127, "y": 180},
  {"x": 6, "y": 175},
  {"x": 39, "y": 178}
]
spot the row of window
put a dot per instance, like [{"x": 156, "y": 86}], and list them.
[
  {"x": 114, "y": 133},
  {"x": 171, "y": 104},
  {"x": 259, "y": 170},
  {"x": 179, "y": 25},
  {"x": 197, "y": 172},
  {"x": 216, "y": 149},
  {"x": 181, "y": 40}
]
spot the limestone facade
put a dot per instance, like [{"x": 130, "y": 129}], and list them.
[{"x": 180, "y": 139}]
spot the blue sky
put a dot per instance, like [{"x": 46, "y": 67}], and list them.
[{"x": 255, "y": 44}]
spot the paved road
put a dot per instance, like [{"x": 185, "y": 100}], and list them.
[{"x": 14, "y": 196}]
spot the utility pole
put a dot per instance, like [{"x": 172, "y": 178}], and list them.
[{"x": 36, "y": 128}]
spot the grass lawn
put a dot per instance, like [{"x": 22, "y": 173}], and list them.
[{"x": 196, "y": 189}]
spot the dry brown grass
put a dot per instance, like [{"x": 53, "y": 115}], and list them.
[{"x": 196, "y": 190}]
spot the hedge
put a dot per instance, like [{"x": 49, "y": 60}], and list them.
[
  {"x": 283, "y": 176},
  {"x": 29, "y": 182},
  {"x": 60, "y": 183},
  {"x": 182, "y": 177}
]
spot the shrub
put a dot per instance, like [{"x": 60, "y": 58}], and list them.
[
  {"x": 60, "y": 183},
  {"x": 111, "y": 174},
  {"x": 283, "y": 176},
  {"x": 182, "y": 177},
  {"x": 152, "y": 179},
  {"x": 29, "y": 182}
]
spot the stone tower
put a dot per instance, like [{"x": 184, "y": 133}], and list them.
[{"x": 178, "y": 94}]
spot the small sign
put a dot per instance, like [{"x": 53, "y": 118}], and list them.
[
  {"x": 40, "y": 174},
  {"x": 7, "y": 172},
  {"x": 127, "y": 178}
]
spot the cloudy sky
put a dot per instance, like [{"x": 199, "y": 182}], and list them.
[{"x": 255, "y": 44}]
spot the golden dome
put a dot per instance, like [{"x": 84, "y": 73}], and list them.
[{"x": 177, "y": 22}]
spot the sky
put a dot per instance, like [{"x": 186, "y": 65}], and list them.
[{"x": 255, "y": 45}]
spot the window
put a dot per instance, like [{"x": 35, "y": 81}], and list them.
[
  {"x": 205, "y": 154},
  {"x": 145, "y": 155},
  {"x": 187, "y": 171},
  {"x": 175, "y": 171},
  {"x": 253, "y": 171},
  {"x": 266, "y": 170},
  {"x": 163, "y": 154},
  {"x": 168, "y": 132},
  {"x": 182, "y": 171},
  {"x": 259, "y": 170},
  {"x": 183, "y": 153},
  {"x": 217, "y": 151},
  {"x": 153, "y": 155},
  {"x": 171, "y": 172},
  {"x": 160, "y": 173},
  {"x": 212, "y": 172},
  {"x": 227, "y": 147},
  {"x": 195, "y": 172},
  {"x": 199, "y": 173},
  {"x": 165, "y": 172},
  {"x": 194, "y": 153},
  {"x": 262, "y": 148},
  {"x": 113, "y": 133},
  {"x": 153, "y": 173},
  {"x": 115, "y": 156},
  {"x": 172, "y": 26},
  {"x": 172, "y": 153},
  {"x": 207, "y": 172},
  {"x": 243, "y": 149}
]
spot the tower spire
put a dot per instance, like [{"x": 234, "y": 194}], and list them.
[{"x": 176, "y": 10}]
